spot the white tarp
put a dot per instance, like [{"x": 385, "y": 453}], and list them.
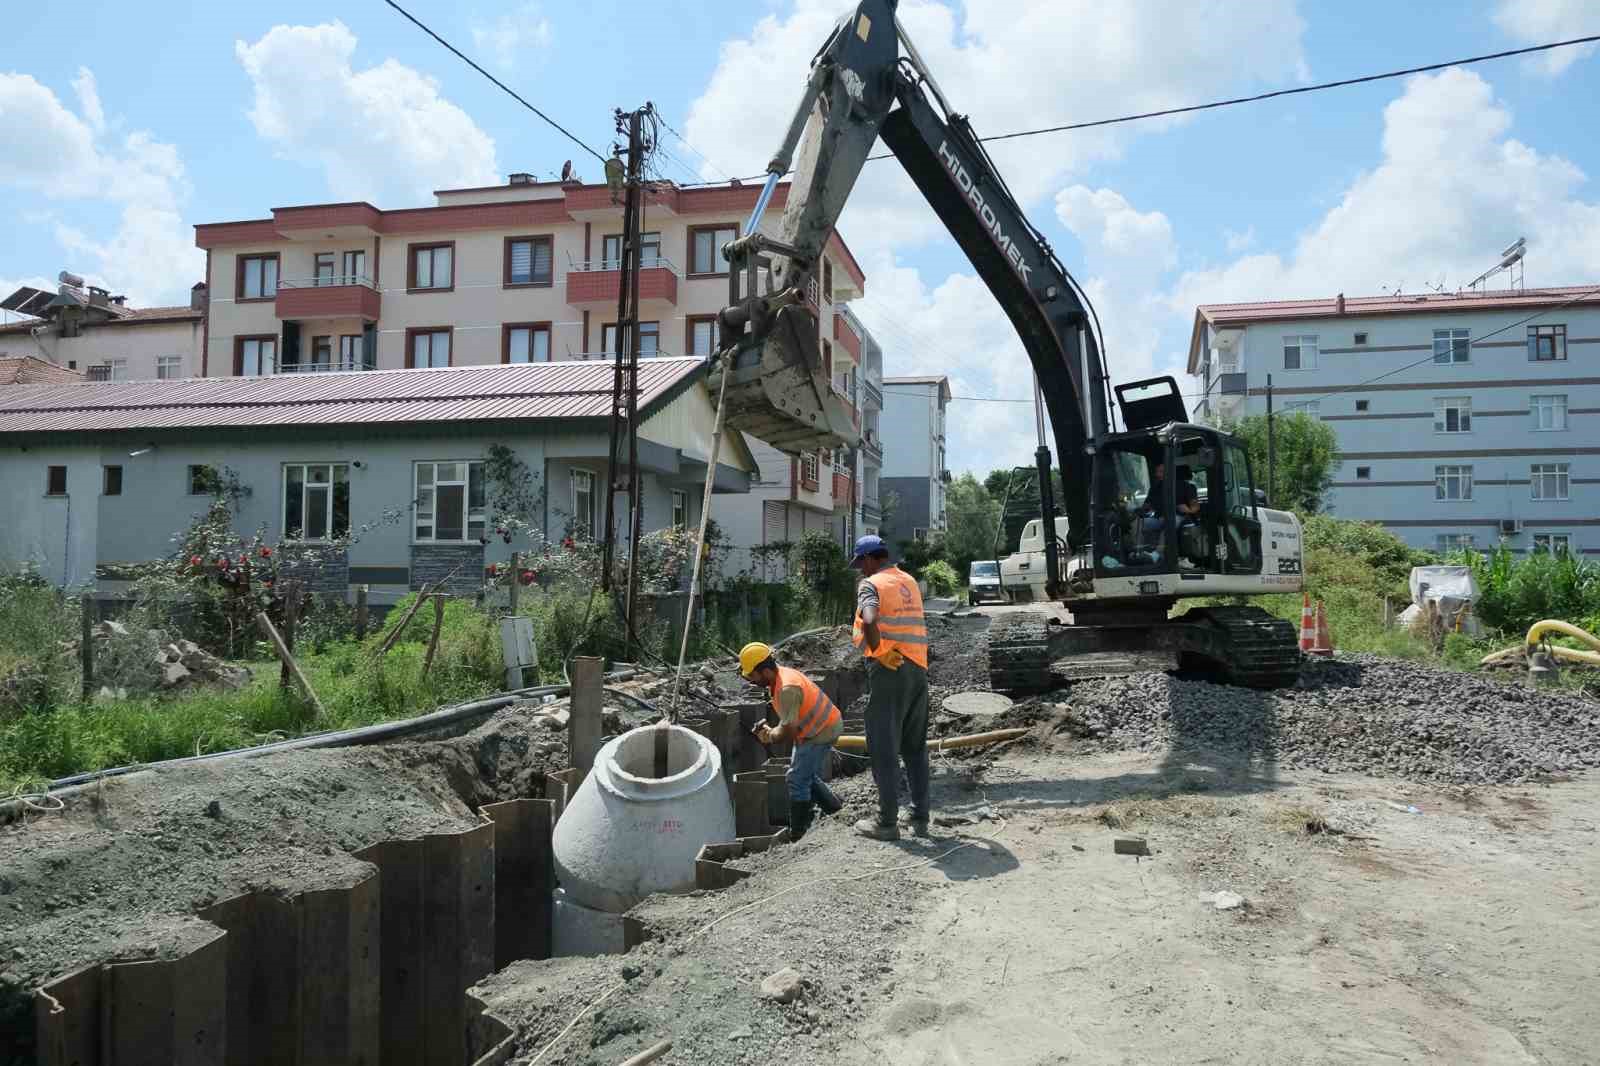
[{"x": 1452, "y": 588}]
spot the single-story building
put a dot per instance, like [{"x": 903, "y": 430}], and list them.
[{"x": 400, "y": 460}]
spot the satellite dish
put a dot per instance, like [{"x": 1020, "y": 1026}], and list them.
[{"x": 566, "y": 171}]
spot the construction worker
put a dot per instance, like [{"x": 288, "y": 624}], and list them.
[
  {"x": 808, "y": 718},
  {"x": 892, "y": 633}
]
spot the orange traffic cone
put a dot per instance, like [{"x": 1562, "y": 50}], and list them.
[
  {"x": 1308, "y": 624},
  {"x": 1323, "y": 645}
]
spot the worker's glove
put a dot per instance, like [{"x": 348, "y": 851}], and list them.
[
  {"x": 764, "y": 734},
  {"x": 891, "y": 659}
]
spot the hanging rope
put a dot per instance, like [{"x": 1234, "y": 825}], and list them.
[{"x": 700, "y": 540}]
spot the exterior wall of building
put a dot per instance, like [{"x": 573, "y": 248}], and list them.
[
  {"x": 913, "y": 424},
  {"x": 1394, "y": 439},
  {"x": 138, "y": 344},
  {"x": 155, "y": 503}
]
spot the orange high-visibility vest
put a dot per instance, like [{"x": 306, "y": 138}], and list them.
[
  {"x": 817, "y": 712},
  {"x": 900, "y": 621}
]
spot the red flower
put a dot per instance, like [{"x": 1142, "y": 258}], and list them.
[
  {"x": 267, "y": 583},
  {"x": 492, "y": 569},
  {"x": 195, "y": 560},
  {"x": 266, "y": 553},
  {"x": 527, "y": 577},
  {"x": 568, "y": 543}
]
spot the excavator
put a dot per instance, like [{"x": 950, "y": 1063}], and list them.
[{"x": 1157, "y": 511}]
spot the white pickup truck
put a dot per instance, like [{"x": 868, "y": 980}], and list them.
[{"x": 1022, "y": 575}]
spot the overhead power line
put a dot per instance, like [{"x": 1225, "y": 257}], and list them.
[
  {"x": 568, "y": 134},
  {"x": 1258, "y": 97}
]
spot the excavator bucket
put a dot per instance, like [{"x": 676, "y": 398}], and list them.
[{"x": 780, "y": 393}]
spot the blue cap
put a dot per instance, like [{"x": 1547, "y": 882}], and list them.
[{"x": 867, "y": 545}]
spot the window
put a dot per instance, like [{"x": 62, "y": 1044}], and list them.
[
  {"x": 649, "y": 251},
  {"x": 525, "y": 342},
  {"x": 1452, "y": 414},
  {"x": 1451, "y": 345},
  {"x": 1549, "y": 412},
  {"x": 450, "y": 502},
  {"x": 1553, "y": 543},
  {"x": 432, "y": 267},
  {"x": 649, "y": 339},
  {"x": 1549, "y": 481},
  {"x": 1452, "y": 482},
  {"x": 1361, "y": 405},
  {"x": 428, "y": 347},
  {"x": 827, "y": 279},
  {"x": 112, "y": 485},
  {"x": 1300, "y": 353},
  {"x": 1361, "y": 339},
  {"x": 316, "y": 501},
  {"x": 353, "y": 265},
  {"x": 322, "y": 352},
  {"x": 705, "y": 248},
  {"x": 169, "y": 367},
  {"x": 808, "y": 470},
  {"x": 529, "y": 260},
  {"x": 919, "y": 533},
  {"x": 350, "y": 351},
  {"x": 583, "y": 504},
  {"x": 1363, "y": 473},
  {"x": 55, "y": 481},
  {"x": 258, "y": 277},
  {"x": 204, "y": 481},
  {"x": 1450, "y": 543},
  {"x": 324, "y": 269},
  {"x": 1547, "y": 344},
  {"x": 1310, "y": 407},
  {"x": 119, "y": 369},
  {"x": 680, "y": 509},
  {"x": 255, "y": 356},
  {"x": 702, "y": 336}
]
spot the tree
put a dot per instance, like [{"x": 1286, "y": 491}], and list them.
[
  {"x": 972, "y": 517},
  {"x": 1021, "y": 505},
  {"x": 1307, "y": 451}
]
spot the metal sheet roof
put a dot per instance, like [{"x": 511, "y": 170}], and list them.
[
  {"x": 534, "y": 392},
  {"x": 1402, "y": 303}
]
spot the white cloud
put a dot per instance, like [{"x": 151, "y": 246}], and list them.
[
  {"x": 516, "y": 39},
  {"x": 1451, "y": 191},
  {"x": 1011, "y": 64},
  {"x": 383, "y": 134},
  {"x": 52, "y": 152},
  {"x": 1532, "y": 22},
  {"x": 1235, "y": 241}
]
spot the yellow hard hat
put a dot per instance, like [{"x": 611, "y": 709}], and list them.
[{"x": 753, "y": 655}]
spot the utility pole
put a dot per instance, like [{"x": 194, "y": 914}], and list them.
[
  {"x": 1272, "y": 450},
  {"x": 625, "y": 380}
]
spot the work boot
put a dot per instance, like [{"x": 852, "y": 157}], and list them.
[
  {"x": 919, "y": 826},
  {"x": 871, "y": 827},
  {"x": 800, "y": 817},
  {"x": 824, "y": 798}
]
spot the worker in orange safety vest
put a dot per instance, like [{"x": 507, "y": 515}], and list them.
[
  {"x": 892, "y": 633},
  {"x": 808, "y": 719}
]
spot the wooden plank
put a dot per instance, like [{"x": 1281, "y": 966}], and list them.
[
  {"x": 402, "y": 983},
  {"x": 585, "y": 725},
  {"x": 524, "y": 878},
  {"x": 265, "y": 625},
  {"x": 67, "y": 1019}
]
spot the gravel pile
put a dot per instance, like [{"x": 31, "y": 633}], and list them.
[{"x": 1358, "y": 714}]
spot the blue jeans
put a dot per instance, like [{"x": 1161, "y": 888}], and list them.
[{"x": 805, "y": 775}]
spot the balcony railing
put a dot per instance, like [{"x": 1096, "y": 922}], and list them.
[
  {"x": 873, "y": 394},
  {"x": 325, "y": 281},
  {"x": 871, "y": 446},
  {"x": 336, "y": 366},
  {"x": 607, "y": 357}
]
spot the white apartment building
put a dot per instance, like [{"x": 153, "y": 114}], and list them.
[
  {"x": 89, "y": 330},
  {"x": 1464, "y": 419},
  {"x": 914, "y": 468}
]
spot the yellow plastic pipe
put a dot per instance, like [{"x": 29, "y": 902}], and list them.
[
  {"x": 1536, "y": 634},
  {"x": 996, "y": 736}
]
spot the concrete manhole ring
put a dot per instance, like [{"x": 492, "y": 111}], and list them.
[{"x": 976, "y": 704}]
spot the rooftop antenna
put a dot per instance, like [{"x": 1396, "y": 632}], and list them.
[{"x": 1511, "y": 264}]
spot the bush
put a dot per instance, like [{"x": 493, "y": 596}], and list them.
[
  {"x": 36, "y": 669},
  {"x": 941, "y": 578},
  {"x": 1515, "y": 592}
]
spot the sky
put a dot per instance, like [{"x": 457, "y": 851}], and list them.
[{"x": 147, "y": 118}]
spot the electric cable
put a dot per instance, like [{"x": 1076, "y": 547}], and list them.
[{"x": 568, "y": 134}]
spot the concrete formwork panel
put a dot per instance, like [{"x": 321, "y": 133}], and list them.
[
  {"x": 559, "y": 788},
  {"x": 751, "y": 754},
  {"x": 167, "y": 1012},
  {"x": 458, "y": 936},
  {"x": 67, "y": 1019},
  {"x": 524, "y": 878},
  {"x": 750, "y": 803},
  {"x": 777, "y": 770},
  {"x": 402, "y": 976}
]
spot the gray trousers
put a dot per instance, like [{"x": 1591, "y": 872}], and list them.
[{"x": 897, "y": 730}]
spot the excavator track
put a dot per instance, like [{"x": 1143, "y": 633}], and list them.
[{"x": 1244, "y": 646}]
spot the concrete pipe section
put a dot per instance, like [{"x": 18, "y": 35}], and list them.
[{"x": 628, "y": 832}]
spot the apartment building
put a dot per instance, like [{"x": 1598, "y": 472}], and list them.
[
  {"x": 89, "y": 330},
  {"x": 818, "y": 492},
  {"x": 869, "y": 454},
  {"x": 914, "y": 469},
  {"x": 1464, "y": 419}
]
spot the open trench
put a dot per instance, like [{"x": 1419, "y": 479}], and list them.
[{"x": 366, "y": 954}]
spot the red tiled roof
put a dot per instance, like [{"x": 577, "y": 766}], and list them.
[
  {"x": 31, "y": 370},
  {"x": 536, "y": 391}
]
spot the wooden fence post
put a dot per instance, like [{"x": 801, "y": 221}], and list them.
[
  {"x": 433, "y": 641},
  {"x": 289, "y": 664},
  {"x": 291, "y": 611},
  {"x": 86, "y": 644},
  {"x": 361, "y": 612}
]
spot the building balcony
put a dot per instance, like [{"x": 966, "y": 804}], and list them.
[
  {"x": 334, "y": 367},
  {"x": 846, "y": 338},
  {"x": 329, "y": 296},
  {"x": 598, "y": 283},
  {"x": 871, "y": 395},
  {"x": 871, "y": 511},
  {"x": 871, "y": 447},
  {"x": 843, "y": 492}
]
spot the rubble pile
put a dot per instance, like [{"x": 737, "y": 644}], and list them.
[{"x": 137, "y": 660}]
